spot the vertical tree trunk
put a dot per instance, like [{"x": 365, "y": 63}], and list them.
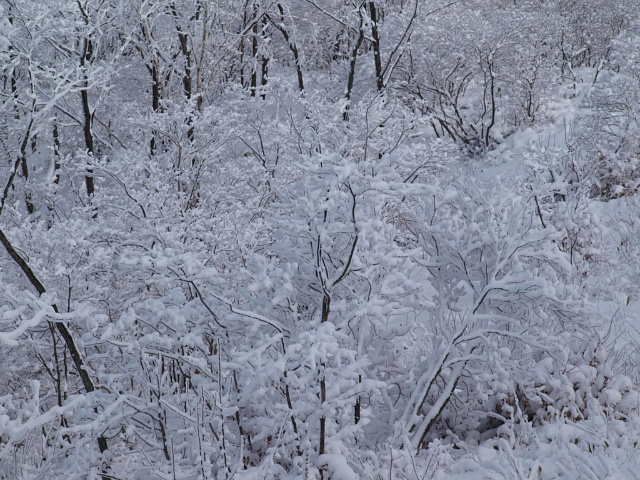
[
  {"x": 56, "y": 152},
  {"x": 264, "y": 62},
  {"x": 187, "y": 82},
  {"x": 22, "y": 158},
  {"x": 352, "y": 70},
  {"x": 492, "y": 100},
  {"x": 86, "y": 58},
  {"x": 187, "y": 77},
  {"x": 356, "y": 412},
  {"x": 155, "y": 103},
  {"x": 254, "y": 54},
  {"x": 326, "y": 308},
  {"x": 292, "y": 45},
  {"x": 376, "y": 44},
  {"x": 25, "y": 174},
  {"x": 244, "y": 22},
  {"x": 155, "y": 70}
]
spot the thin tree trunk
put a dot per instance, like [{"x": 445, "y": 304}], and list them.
[
  {"x": 155, "y": 103},
  {"x": 88, "y": 138},
  {"x": 376, "y": 45},
  {"x": 356, "y": 413},
  {"x": 22, "y": 159},
  {"x": 264, "y": 63},
  {"x": 254, "y": 55},
  {"x": 158, "y": 88},
  {"x": 352, "y": 70},
  {"x": 56, "y": 152},
  {"x": 86, "y": 57},
  {"x": 326, "y": 308},
  {"x": 187, "y": 77},
  {"x": 292, "y": 46}
]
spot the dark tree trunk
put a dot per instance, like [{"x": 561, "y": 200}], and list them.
[
  {"x": 376, "y": 45},
  {"x": 292, "y": 46},
  {"x": 86, "y": 58},
  {"x": 352, "y": 70}
]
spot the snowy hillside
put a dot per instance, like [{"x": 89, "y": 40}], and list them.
[{"x": 319, "y": 239}]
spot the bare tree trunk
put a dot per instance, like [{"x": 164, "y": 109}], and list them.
[
  {"x": 85, "y": 58},
  {"x": 490, "y": 87},
  {"x": 254, "y": 54},
  {"x": 293, "y": 46},
  {"x": 25, "y": 174},
  {"x": 22, "y": 158},
  {"x": 264, "y": 63},
  {"x": 326, "y": 308},
  {"x": 352, "y": 70},
  {"x": 356, "y": 410},
  {"x": 155, "y": 102},
  {"x": 56, "y": 151},
  {"x": 88, "y": 139},
  {"x": 187, "y": 77},
  {"x": 158, "y": 90},
  {"x": 376, "y": 45}
]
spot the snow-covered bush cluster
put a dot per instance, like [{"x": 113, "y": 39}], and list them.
[{"x": 319, "y": 239}]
